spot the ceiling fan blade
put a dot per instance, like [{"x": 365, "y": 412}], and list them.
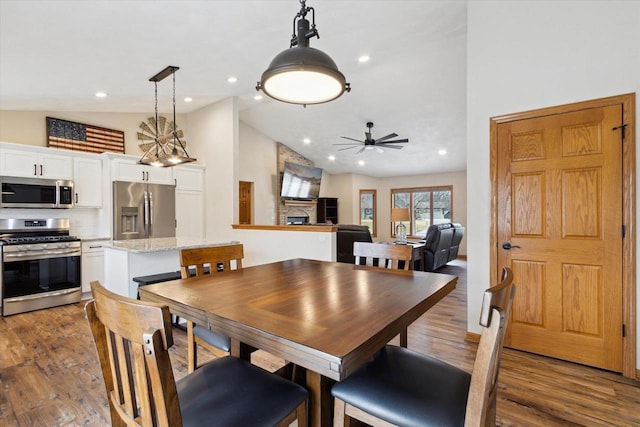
[
  {"x": 350, "y": 143},
  {"x": 352, "y": 139},
  {"x": 395, "y": 147},
  {"x": 397, "y": 141},
  {"x": 348, "y": 148},
  {"x": 360, "y": 150},
  {"x": 391, "y": 135}
]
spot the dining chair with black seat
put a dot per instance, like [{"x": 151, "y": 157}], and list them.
[
  {"x": 133, "y": 338},
  {"x": 208, "y": 260},
  {"x": 384, "y": 255},
  {"x": 405, "y": 388}
]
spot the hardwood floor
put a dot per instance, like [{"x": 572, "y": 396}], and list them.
[{"x": 49, "y": 373}]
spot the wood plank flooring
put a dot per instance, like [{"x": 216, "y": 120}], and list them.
[{"x": 49, "y": 373}]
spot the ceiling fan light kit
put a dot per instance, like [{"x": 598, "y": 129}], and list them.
[
  {"x": 301, "y": 74},
  {"x": 165, "y": 151}
]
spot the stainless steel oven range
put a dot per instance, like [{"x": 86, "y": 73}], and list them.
[{"x": 40, "y": 265}]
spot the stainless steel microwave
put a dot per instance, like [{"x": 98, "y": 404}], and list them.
[{"x": 36, "y": 193}]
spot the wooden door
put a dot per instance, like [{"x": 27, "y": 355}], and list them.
[
  {"x": 559, "y": 206},
  {"x": 245, "y": 202}
]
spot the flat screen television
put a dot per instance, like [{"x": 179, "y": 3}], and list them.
[{"x": 300, "y": 181}]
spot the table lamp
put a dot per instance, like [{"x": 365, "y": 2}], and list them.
[{"x": 398, "y": 215}]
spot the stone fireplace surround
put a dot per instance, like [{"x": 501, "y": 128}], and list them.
[{"x": 293, "y": 208}]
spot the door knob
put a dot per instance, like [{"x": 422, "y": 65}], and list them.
[{"x": 507, "y": 246}]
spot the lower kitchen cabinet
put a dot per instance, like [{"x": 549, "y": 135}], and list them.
[{"x": 92, "y": 263}]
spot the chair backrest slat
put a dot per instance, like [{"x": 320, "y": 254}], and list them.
[
  {"x": 387, "y": 255},
  {"x": 133, "y": 340},
  {"x": 494, "y": 317},
  {"x": 214, "y": 256}
]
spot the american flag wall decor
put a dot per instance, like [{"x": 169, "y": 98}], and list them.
[{"x": 80, "y": 137}]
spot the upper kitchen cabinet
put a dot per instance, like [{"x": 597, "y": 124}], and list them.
[
  {"x": 35, "y": 162},
  {"x": 126, "y": 168},
  {"x": 188, "y": 177},
  {"x": 87, "y": 176}
]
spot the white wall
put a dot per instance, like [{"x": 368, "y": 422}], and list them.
[
  {"x": 265, "y": 246},
  {"x": 530, "y": 54},
  {"x": 259, "y": 162},
  {"x": 213, "y": 131}
]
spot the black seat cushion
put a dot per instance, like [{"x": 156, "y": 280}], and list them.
[
  {"x": 408, "y": 389},
  {"x": 213, "y": 338},
  {"x": 232, "y": 392}
]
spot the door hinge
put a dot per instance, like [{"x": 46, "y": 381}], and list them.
[
  {"x": 622, "y": 128},
  {"x": 624, "y": 331},
  {"x": 624, "y": 231}
]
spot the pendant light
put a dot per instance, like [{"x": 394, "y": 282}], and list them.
[
  {"x": 302, "y": 74},
  {"x": 167, "y": 150}
]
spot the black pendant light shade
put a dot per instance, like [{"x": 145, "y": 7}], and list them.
[{"x": 302, "y": 74}]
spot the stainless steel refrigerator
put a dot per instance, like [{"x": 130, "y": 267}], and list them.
[{"x": 143, "y": 210}]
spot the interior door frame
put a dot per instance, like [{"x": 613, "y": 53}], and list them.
[{"x": 628, "y": 208}]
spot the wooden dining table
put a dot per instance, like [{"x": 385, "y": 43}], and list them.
[{"x": 326, "y": 317}]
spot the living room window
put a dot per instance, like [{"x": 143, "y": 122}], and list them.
[
  {"x": 368, "y": 210},
  {"x": 428, "y": 205}
]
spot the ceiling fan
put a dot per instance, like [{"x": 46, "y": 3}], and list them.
[{"x": 371, "y": 144}]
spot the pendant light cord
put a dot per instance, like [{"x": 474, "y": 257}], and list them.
[{"x": 156, "y": 110}]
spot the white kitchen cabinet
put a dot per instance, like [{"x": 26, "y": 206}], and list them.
[
  {"x": 190, "y": 213},
  {"x": 29, "y": 162},
  {"x": 189, "y": 182},
  {"x": 128, "y": 170},
  {"x": 87, "y": 177},
  {"x": 92, "y": 263},
  {"x": 189, "y": 177}
]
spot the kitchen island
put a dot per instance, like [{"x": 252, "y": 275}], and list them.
[{"x": 126, "y": 259}]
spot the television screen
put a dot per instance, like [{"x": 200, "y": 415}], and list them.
[{"x": 300, "y": 181}]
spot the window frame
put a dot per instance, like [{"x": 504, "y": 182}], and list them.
[
  {"x": 411, "y": 191},
  {"x": 374, "y": 218}
]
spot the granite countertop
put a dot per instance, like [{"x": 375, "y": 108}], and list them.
[
  {"x": 93, "y": 238},
  {"x": 163, "y": 244}
]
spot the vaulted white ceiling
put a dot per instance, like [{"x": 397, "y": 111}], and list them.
[{"x": 54, "y": 56}]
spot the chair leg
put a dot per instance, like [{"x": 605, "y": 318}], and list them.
[
  {"x": 192, "y": 356},
  {"x": 340, "y": 418},
  {"x": 403, "y": 338}
]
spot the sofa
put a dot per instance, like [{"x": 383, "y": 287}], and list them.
[
  {"x": 442, "y": 242},
  {"x": 346, "y": 235}
]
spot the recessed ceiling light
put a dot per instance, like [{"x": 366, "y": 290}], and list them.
[
  {"x": 188, "y": 99},
  {"x": 361, "y": 162},
  {"x": 332, "y": 157},
  {"x": 232, "y": 79},
  {"x": 442, "y": 152},
  {"x": 306, "y": 141},
  {"x": 101, "y": 94},
  {"x": 257, "y": 97},
  {"x": 364, "y": 58}
]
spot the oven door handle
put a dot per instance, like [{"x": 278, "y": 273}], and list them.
[
  {"x": 43, "y": 295},
  {"x": 9, "y": 256}
]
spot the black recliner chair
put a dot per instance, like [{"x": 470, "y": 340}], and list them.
[
  {"x": 346, "y": 235},
  {"x": 442, "y": 243}
]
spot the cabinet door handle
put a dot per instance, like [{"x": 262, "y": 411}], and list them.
[
  {"x": 35, "y": 169},
  {"x": 143, "y": 175},
  {"x": 76, "y": 198},
  {"x": 40, "y": 170},
  {"x": 95, "y": 247}
]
